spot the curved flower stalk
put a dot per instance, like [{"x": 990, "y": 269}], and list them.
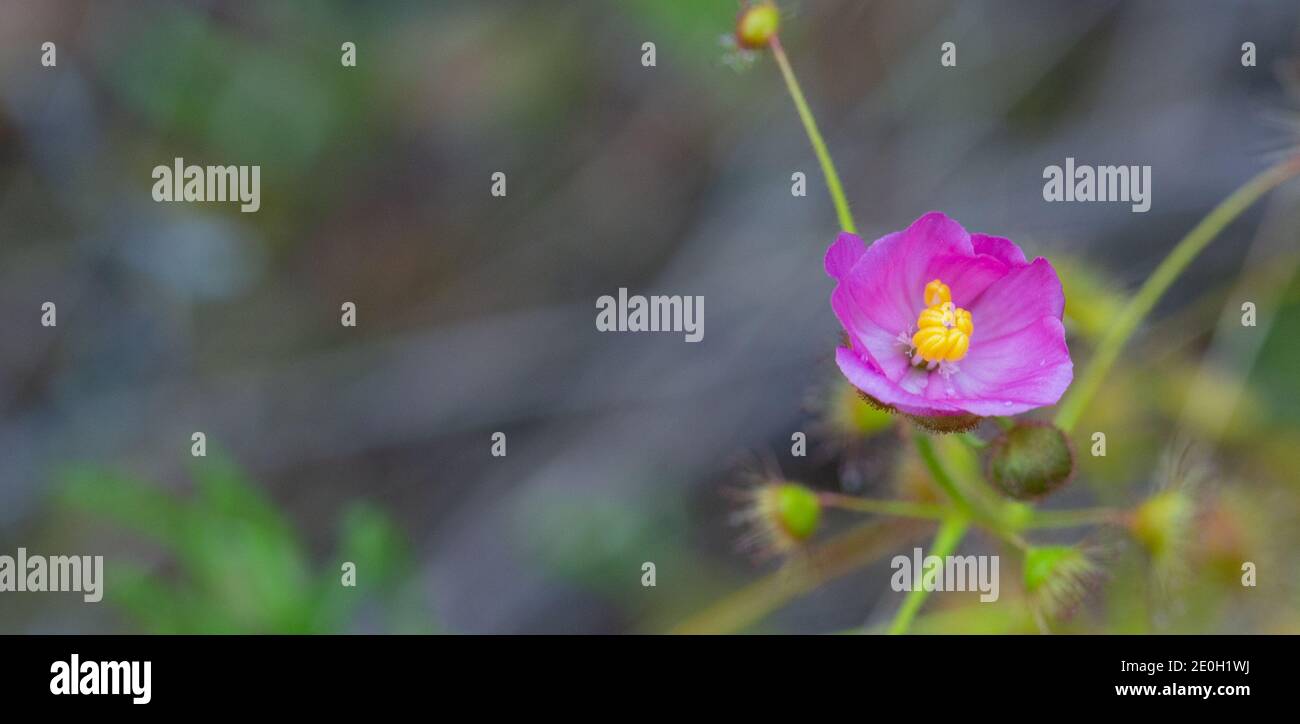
[
  {"x": 771, "y": 39},
  {"x": 1173, "y": 265}
]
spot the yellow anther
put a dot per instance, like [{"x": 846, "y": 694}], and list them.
[
  {"x": 964, "y": 322},
  {"x": 944, "y": 330},
  {"x": 936, "y": 293}
]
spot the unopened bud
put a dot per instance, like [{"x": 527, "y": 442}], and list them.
[
  {"x": 757, "y": 25},
  {"x": 1161, "y": 523},
  {"x": 1030, "y": 460},
  {"x": 1057, "y": 578},
  {"x": 781, "y": 515},
  {"x": 795, "y": 509}
]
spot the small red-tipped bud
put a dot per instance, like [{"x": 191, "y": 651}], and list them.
[
  {"x": 1030, "y": 460},
  {"x": 757, "y": 25}
]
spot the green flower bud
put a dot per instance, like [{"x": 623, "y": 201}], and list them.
[
  {"x": 795, "y": 509},
  {"x": 781, "y": 515},
  {"x": 1161, "y": 523},
  {"x": 1057, "y": 578},
  {"x": 1030, "y": 460},
  {"x": 757, "y": 25}
]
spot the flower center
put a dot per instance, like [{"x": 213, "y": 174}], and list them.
[{"x": 943, "y": 329}]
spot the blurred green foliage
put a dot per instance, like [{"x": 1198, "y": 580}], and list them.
[{"x": 236, "y": 564}]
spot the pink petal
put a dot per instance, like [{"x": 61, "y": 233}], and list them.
[
  {"x": 865, "y": 376},
  {"x": 865, "y": 303},
  {"x": 843, "y": 254},
  {"x": 886, "y": 286},
  {"x": 866, "y": 311},
  {"x": 1015, "y": 301},
  {"x": 885, "y": 350},
  {"x": 937, "y": 229},
  {"x": 1015, "y": 372},
  {"x": 966, "y": 276},
  {"x": 999, "y": 248}
]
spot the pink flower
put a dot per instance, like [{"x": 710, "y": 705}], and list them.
[{"x": 943, "y": 324}]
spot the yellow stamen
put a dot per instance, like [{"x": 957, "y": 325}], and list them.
[
  {"x": 944, "y": 329},
  {"x": 936, "y": 293}
]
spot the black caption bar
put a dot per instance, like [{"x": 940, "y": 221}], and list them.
[{"x": 232, "y": 673}]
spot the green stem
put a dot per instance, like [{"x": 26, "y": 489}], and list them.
[
  {"x": 846, "y": 552},
  {"x": 931, "y": 459},
  {"x": 815, "y": 136},
  {"x": 1160, "y": 280},
  {"x": 898, "y": 508},
  {"x": 945, "y": 543}
]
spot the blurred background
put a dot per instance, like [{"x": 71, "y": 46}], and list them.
[{"x": 476, "y": 314}]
